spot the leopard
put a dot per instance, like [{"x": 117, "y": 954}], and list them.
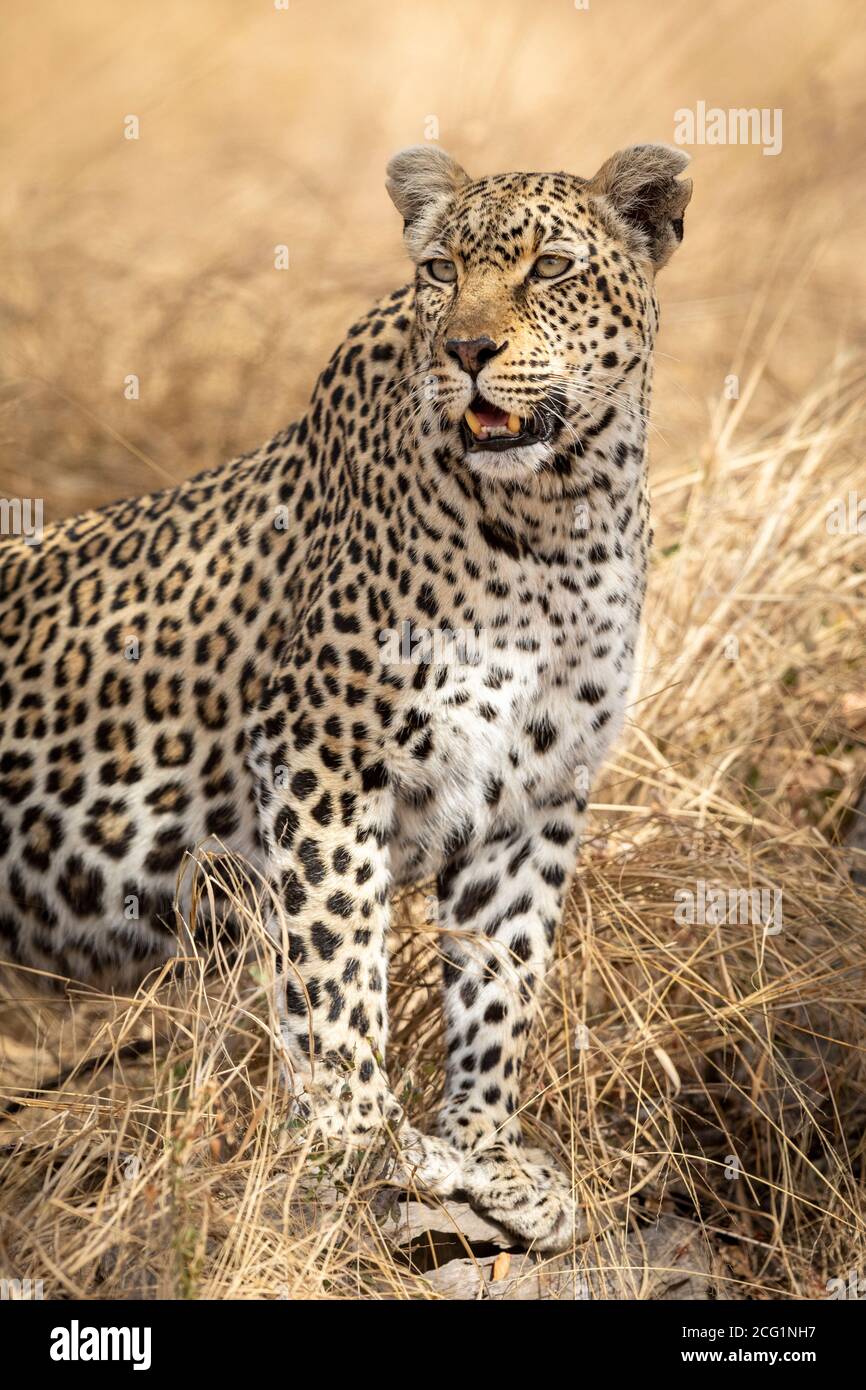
[{"x": 392, "y": 646}]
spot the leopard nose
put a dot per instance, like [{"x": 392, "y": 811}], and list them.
[{"x": 472, "y": 353}]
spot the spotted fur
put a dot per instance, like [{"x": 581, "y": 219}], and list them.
[{"x": 213, "y": 661}]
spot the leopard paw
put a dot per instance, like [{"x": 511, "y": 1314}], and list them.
[
  {"x": 338, "y": 1108},
  {"x": 357, "y": 1122},
  {"x": 534, "y": 1201},
  {"x": 428, "y": 1161}
]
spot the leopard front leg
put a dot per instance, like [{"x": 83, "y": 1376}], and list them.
[
  {"x": 329, "y": 875},
  {"x": 500, "y": 908}
]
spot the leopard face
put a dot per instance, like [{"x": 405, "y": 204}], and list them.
[{"x": 534, "y": 298}]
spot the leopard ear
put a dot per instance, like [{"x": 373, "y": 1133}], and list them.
[
  {"x": 639, "y": 186},
  {"x": 422, "y": 180}
]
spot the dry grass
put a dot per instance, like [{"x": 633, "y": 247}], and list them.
[{"x": 665, "y": 1047}]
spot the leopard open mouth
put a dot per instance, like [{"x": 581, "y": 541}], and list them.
[{"x": 485, "y": 426}]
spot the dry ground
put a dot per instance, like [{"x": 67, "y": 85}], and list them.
[{"x": 710, "y": 1073}]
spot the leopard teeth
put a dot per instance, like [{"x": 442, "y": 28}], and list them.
[
  {"x": 514, "y": 423},
  {"x": 473, "y": 422}
]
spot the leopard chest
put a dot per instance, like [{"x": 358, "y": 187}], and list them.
[{"x": 519, "y": 711}]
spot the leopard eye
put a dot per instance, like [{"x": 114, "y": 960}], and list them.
[
  {"x": 440, "y": 269},
  {"x": 548, "y": 267}
]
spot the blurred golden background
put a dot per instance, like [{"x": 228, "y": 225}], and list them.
[
  {"x": 262, "y": 126},
  {"x": 665, "y": 1048}
]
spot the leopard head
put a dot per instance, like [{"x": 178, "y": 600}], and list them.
[{"x": 534, "y": 298}]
